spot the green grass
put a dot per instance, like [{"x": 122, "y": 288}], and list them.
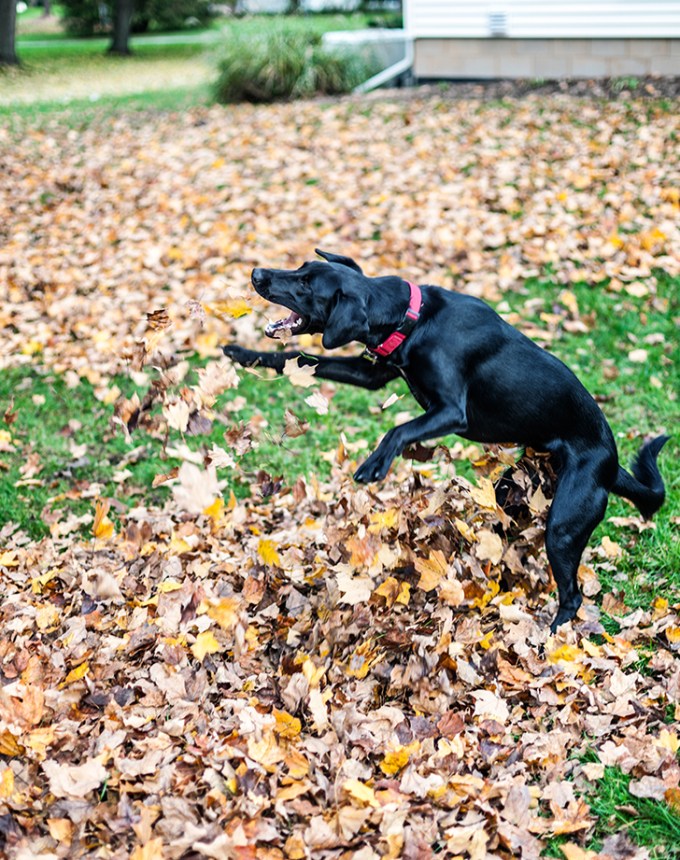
[
  {"x": 79, "y": 113},
  {"x": 44, "y": 429},
  {"x": 649, "y": 823}
]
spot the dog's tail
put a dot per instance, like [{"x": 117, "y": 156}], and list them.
[{"x": 644, "y": 488}]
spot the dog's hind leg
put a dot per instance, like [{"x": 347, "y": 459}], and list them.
[{"x": 578, "y": 507}]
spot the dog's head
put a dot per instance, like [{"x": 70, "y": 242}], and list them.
[{"x": 328, "y": 298}]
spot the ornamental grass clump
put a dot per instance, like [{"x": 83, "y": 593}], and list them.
[{"x": 283, "y": 65}]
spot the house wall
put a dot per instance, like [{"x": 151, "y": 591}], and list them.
[
  {"x": 557, "y": 19},
  {"x": 545, "y": 58},
  {"x": 543, "y": 38}
]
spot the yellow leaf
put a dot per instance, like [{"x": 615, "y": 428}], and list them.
[
  {"x": 231, "y": 309},
  {"x": 31, "y": 347},
  {"x": 287, "y": 726},
  {"x": 360, "y": 791},
  {"x": 651, "y": 238},
  {"x": 432, "y": 570},
  {"x": 225, "y": 612},
  {"x": 214, "y": 511},
  {"x": 396, "y": 759},
  {"x": 312, "y": 672},
  {"x": 673, "y": 635},
  {"x": 169, "y": 585},
  {"x": 205, "y": 643},
  {"x": 492, "y": 589},
  {"x": 76, "y": 674},
  {"x": 565, "y": 653},
  {"x": 6, "y": 783},
  {"x": 383, "y": 520},
  {"x": 467, "y": 531},
  {"x": 404, "y": 593},
  {"x": 484, "y": 494},
  {"x": 389, "y": 589},
  {"x": 660, "y": 606},
  {"x": 668, "y": 740},
  {"x": 102, "y": 528},
  {"x": 178, "y": 546},
  {"x": 266, "y": 549},
  {"x": 9, "y": 745},
  {"x": 485, "y": 641},
  {"x": 8, "y": 558}
]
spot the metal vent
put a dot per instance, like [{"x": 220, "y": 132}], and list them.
[{"x": 498, "y": 24}]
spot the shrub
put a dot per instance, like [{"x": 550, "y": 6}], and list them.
[
  {"x": 176, "y": 14},
  {"x": 285, "y": 64},
  {"x": 82, "y": 17}
]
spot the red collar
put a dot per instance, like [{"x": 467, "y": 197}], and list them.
[{"x": 403, "y": 330}]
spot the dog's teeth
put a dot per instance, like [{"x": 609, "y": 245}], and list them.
[{"x": 278, "y": 328}]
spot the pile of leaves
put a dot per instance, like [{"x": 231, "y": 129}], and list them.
[
  {"x": 317, "y": 670},
  {"x": 321, "y": 671}
]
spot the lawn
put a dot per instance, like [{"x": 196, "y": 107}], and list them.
[
  {"x": 214, "y": 643},
  {"x": 166, "y": 68}
]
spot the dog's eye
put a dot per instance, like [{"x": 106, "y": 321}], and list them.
[{"x": 304, "y": 280}]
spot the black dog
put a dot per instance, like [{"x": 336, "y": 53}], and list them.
[{"x": 474, "y": 375}]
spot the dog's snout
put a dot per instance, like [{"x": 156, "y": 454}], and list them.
[{"x": 257, "y": 277}]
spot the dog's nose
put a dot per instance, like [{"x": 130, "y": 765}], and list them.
[{"x": 257, "y": 277}]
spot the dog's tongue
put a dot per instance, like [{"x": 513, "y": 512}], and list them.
[{"x": 289, "y": 324}]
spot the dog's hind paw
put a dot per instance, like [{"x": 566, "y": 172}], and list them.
[{"x": 565, "y": 614}]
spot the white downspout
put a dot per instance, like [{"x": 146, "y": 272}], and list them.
[{"x": 390, "y": 72}]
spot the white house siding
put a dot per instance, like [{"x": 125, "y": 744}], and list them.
[{"x": 549, "y": 39}]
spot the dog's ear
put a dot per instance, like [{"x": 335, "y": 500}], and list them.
[
  {"x": 347, "y": 321},
  {"x": 337, "y": 258}
]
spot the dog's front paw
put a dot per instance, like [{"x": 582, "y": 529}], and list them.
[
  {"x": 246, "y": 357},
  {"x": 374, "y": 469}
]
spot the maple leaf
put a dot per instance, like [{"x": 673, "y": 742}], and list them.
[
  {"x": 75, "y": 781},
  {"x": 301, "y": 375},
  {"x": 205, "y": 644},
  {"x": 432, "y": 570}
]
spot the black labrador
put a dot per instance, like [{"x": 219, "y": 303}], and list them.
[{"x": 474, "y": 375}]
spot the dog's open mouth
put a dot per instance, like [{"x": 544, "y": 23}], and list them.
[{"x": 293, "y": 324}]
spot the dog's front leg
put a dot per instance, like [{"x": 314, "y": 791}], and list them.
[
  {"x": 352, "y": 371},
  {"x": 436, "y": 422}
]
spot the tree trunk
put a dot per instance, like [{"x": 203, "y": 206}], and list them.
[
  {"x": 8, "y": 24},
  {"x": 47, "y": 8},
  {"x": 122, "y": 20}
]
